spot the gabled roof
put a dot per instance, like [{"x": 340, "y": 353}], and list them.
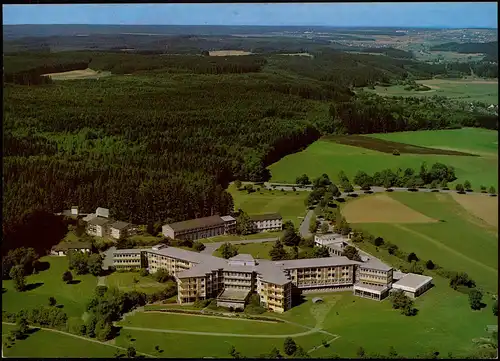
[
  {"x": 197, "y": 223},
  {"x": 265, "y": 217},
  {"x": 242, "y": 257}
]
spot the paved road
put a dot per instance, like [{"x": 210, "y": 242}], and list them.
[
  {"x": 212, "y": 247},
  {"x": 311, "y": 331},
  {"x": 80, "y": 337},
  {"x": 304, "y": 226}
]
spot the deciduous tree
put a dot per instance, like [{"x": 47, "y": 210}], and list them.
[
  {"x": 289, "y": 346},
  {"x": 17, "y": 276},
  {"x": 475, "y": 299},
  {"x": 67, "y": 277}
]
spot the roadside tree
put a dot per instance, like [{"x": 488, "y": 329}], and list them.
[{"x": 94, "y": 264}]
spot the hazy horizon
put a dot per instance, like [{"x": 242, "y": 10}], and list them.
[{"x": 472, "y": 15}]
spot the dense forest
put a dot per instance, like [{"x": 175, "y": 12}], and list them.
[
  {"x": 490, "y": 48},
  {"x": 162, "y": 145}
]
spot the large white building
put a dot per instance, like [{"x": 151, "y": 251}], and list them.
[{"x": 267, "y": 222}]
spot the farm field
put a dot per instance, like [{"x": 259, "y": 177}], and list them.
[
  {"x": 48, "y": 344},
  {"x": 459, "y": 241},
  {"x": 289, "y": 204},
  {"x": 79, "y": 74},
  {"x": 125, "y": 282},
  {"x": 466, "y": 90},
  {"x": 229, "y": 53},
  {"x": 483, "y": 142},
  {"x": 325, "y": 156},
  {"x": 49, "y": 283},
  {"x": 159, "y": 320}
]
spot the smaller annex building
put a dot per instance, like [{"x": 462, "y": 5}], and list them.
[
  {"x": 413, "y": 285},
  {"x": 63, "y": 248}
]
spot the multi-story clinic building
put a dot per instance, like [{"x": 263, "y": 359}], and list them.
[{"x": 202, "y": 276}]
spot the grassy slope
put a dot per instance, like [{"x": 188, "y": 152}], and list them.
[
  {"x": 454, "y": 89},
  {"x": 290, "y": 205},
  {"x": 445, "y": 323},
  {"x": 257, "y": 250},
  {"x": 461, "y": 243},
  {"x": 73, "y": 297},
  {"x": 208, "y": 324},
  {"x": 234, "y": 237},
  {"x": 329, "y": 157},
  {"x": 124, "y": 281},
  {"x": 474, "y": 140},
  {"x": 49, "y": 344}
]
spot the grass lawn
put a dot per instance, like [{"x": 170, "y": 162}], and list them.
[
  {"x": 474, "y": 140},
  {"x": 461, "y": 242},
  {"x": 464, "y": 90},
  {"x": 47, "y": 344},
  {"x": 257, "y": 250},
  {"x": 125, "y": 282},
  {"x": 328, "y": 157},
  {"x": 208, "y": 324},
  {"x": 193, "y": 346},
  {"x": 289, "y": 204},
  {"x": 233, "y": 237},
  {"x": 49, "y": 283},
  {"x": 444, "y": 323}
]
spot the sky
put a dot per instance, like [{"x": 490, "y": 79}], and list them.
[{"x": 454, "y": 15}]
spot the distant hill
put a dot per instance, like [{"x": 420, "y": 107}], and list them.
[{"x": 490, "y": 48}]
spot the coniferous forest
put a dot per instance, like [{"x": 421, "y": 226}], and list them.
[{"x": 160, "y": 139}]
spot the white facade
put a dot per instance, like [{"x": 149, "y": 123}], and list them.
[
  {"x": 268, "y": 225},
  {"x": 325, "y": 239}
]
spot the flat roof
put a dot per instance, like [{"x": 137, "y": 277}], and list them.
[
  {"x": 265, "y": 216},
  {"x": 197, "y": 223},
  {"x": 72, "y": 245},
  {"x": 89, "y": 217},
  {"x": 231, "y": 294},
  {"x": 120, "y": 225},
  {"x": 99, "y": 221},
  {"x": 373, "y": 263},
  {"x": 412, "y": 282},
  {"x": 370, "y": 288},
  {"x": 317, "y": 262},
  {"x": 228, "y": 218}
]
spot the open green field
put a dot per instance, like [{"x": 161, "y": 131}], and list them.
[
  {"x": 465, "y": 90},
  {"x": 470, "y": 140},
  {"x": 49, "y": 283},
  {"x": 208, "y": 324},
  {"x": 459, "y": 242},
  {"x": 194, "y": 346},
  {"x": 289, "y": 204},
  {"x": 325, "y": 156},
  {"x": 48, "y": 344},
  {"x": 125, "y": 282}
]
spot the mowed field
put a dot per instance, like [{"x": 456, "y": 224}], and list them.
[
  {"x": 459, "y": 241},
  {"x": 72, "y": 297},
  {"x": 125, "y": 282},
  {"x": 48, "y": 344},
  {"x": 330, "y": 157},
  {"x": 467, "y": 90},
  {"x": 289, "y": 204},
  {"x": 78, "y": 74}
]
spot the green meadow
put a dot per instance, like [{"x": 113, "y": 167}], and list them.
[
  {"x": 72, "y": 297},
  {"x": 326, "y": 156},
  {"x": 464, "y": 90},
  {"x": 289, "y": 204}
]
